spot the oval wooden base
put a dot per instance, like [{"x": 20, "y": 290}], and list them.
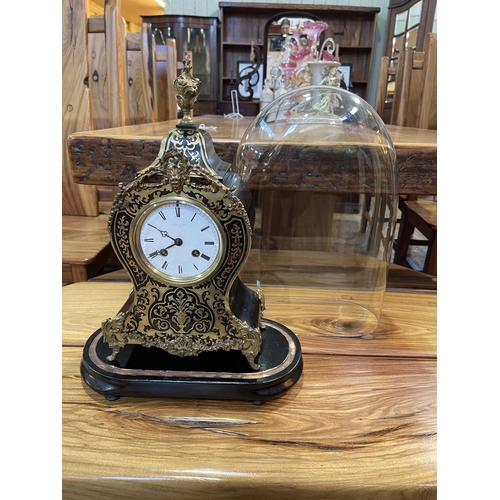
[{"x": 151, "y": 372}]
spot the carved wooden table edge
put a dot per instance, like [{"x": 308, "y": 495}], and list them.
[
  {"x": 109, "y": 156},
  {"x": 417, "y": 167}
]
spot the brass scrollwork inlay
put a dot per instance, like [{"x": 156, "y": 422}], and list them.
[
  {"x": 193, "y": 318},
  {"x": 181, "y": 311}
]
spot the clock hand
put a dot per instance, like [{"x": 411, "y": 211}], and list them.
[
  {"x": 163, "y": 251},
  {"x": 177, "y": 242},
  {"x": 163, "y": 233}
]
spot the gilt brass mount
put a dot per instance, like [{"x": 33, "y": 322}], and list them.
[{"x": 187, "y": 89}]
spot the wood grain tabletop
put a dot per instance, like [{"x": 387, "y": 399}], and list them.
[
  {"x": 407, "y": 326},
  {"x": 359, "y": 424}
]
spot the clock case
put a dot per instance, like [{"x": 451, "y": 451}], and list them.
[
  {"x": 186, "y": 318},
  {"x": 126, "y": 358}
]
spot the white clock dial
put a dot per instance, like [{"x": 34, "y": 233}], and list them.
[{"x": 180, "y": 241}]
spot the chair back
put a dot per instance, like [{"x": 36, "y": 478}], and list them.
[
  {"x": 385, "y": 89},
  {"x": 140, "y": 91},
  {"x": 129, "y": 82},
  {"x": 427, "y": 113},
  {"x": 415, "y": 92},
  {"x": 106, "y": 42},
  {"x": 76, "y": 199},
  {"x": 408, "y": 88},
  {"x": 165, "y": 72}
]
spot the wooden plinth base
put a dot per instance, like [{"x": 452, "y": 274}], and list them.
[{"x": 151, "y": 372}]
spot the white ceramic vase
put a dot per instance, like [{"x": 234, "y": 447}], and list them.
[{"x": 320, "y": 71}]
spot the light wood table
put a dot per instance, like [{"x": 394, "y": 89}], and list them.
[
  {"x": 114, "y": 155},
  {"x": 359, "y": 424}
]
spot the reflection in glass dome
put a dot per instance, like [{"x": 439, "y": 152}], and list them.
[{"x": 321, "y": 167}]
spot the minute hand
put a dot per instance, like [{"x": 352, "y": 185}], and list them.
[{"x": 163, "y": 233}]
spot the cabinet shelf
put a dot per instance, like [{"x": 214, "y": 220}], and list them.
[
  {"x": 245, "y": 44},
  {"x": 355, "y": 47}
]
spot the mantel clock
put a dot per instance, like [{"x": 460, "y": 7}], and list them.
[{"x": 182, "y": 229}]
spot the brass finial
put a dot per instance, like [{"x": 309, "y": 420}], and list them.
[{"x": 186, "y": 89}]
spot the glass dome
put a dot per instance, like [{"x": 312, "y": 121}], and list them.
[{"x": 321, "y": 166}]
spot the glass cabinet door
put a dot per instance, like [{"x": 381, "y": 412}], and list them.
[
  {"x": 200, "y": 37},
  {"x": 409, "y": 22},
  {"x": 196, "y": 41}
]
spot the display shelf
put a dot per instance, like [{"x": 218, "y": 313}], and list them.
[{"x": 244, "y": 24}]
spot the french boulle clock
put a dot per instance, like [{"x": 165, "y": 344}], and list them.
[{"x": 182, "y": 229}]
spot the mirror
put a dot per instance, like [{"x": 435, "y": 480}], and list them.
[
  {"x": 279, "y": 29},
  {"x": 406, "y": 27},
  {"x": 406, "y": 30},
  {"x": 409, "y": 22},
  {"x": 275, "y": 34}
]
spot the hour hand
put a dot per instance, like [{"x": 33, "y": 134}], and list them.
[
  {"x": 177, "y": 242},
  {"x": 163, "y": 251},
  {"x": 169, "y": 246}
]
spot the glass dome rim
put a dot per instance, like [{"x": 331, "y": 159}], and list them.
[{"x": 382, "y": 126}]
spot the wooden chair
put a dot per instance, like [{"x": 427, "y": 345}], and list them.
[
  {"x": 80, "y": 204},
  {"x": 152, "y": 69},
  {"x": 164, "y": 73},
  {"x": 129, "y": 82},
  {"x": 139, "y": 78},
  {"x": 385, "y": 89},
  {"x": 421, "y": 215},
  {"x": 86, "y": 248},
  {"x": 427, "y": 113},
  {"x": 408, "y": 88},
  {"x": 77, "y": 200},
  {"x": 98, "y": 77},
  {"x": 416, "y": 89}
]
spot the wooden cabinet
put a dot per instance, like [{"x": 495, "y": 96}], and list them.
[
  {"x": 200, "y": 36},
  {"x": 244, "y": 24}
]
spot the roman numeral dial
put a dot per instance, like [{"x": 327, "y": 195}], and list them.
[{"x": 179, "y": 241}]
